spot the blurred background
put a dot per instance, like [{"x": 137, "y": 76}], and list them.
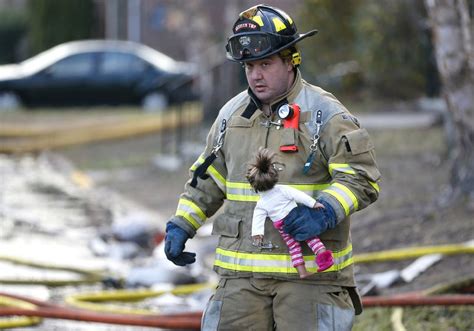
[
  {"x": 365, "y": 49},
  {"x": 105, "y": 104}
]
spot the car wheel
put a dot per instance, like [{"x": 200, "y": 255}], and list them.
[
  {"x": 9, "y": 101},
  {"x": 155, "y": 102}
]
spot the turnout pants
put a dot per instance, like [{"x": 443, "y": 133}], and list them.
[{"x": 269, "y": 304}]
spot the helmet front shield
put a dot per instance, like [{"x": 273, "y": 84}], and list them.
[{"x": 262, "y": 31}]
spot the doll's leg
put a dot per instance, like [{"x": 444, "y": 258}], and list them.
[
  {"x": 324, "y": 258},
  {"x": 294, "y": 249},
  {"x": 316, "y": 245}
]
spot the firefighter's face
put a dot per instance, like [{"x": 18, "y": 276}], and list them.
[{"x": 269, "y": 78}]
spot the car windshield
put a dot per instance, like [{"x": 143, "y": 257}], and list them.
[{"x": 44, "y": 59}]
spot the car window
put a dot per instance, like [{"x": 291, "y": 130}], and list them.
[
  {"x": 73, "y": 66},
  {"x": 118, "y": 63}
]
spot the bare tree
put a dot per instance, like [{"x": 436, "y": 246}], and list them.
[{"x": 452, "y": 37}]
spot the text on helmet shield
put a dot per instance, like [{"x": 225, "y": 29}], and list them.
[{"x": 245, "y": 25}]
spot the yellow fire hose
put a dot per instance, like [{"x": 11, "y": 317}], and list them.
[
  {"x": 413, "y": 252},
  {"x": 55, "y": 311},
  {"x": 94, "y": 301},
  {"x": 28, "y": 140},
  {"x": 16, "y": 322}
]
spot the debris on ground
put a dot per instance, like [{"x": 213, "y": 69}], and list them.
[{"x": 58, "y": 231}]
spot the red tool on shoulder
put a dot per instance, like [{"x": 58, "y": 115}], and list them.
[{"x": 290, "y": 114}]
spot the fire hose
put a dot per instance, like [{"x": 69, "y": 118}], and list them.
[
  {"x": 35, "y": 310},
  {"x": 192, "y": 320},
  {"x": 48, "y": 310}
]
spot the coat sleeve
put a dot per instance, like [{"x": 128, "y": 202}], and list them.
[
  {"x": 350, "y": 155},
  {"x": 198, "y": 203}
]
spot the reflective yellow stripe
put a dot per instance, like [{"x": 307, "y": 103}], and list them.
[
  {"x": 197, "y": 163},
  {"x": 350, "y": 194},
  {"x": 241, "y": 197},
  {"x": 279, "y": 25},
  {"x": 218, "y": 178},
  {"x": 258, "y": 20},
  {"x": 212, "y": 171},
  {"x": 188, "y": 218},
  {"x": 191, "y": 212},
  {"x": 345, "y": 197},
  {"x": 275, "y": 263},
  {"x": 240, "y": 185},
  {"x": 341, "y": 167},
  {"x": 375, "y": 186},
  {"x": 309, "y": 187},
  {"x": 242, "y": 191},
  {"x": 239, "y": 191},
  {"x": 340, "y": 198}
]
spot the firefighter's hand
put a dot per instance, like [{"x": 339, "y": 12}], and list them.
[
  {"x": 303, "y": 223},
  {"x": 175, "y": 240}
]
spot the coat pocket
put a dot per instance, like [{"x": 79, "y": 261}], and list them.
[
  {"x": 227, "y": 225},
  {"x": 358, "y": 142},
  {"x": 289, "y": 137},
  {"x": 360, "y": 153}
]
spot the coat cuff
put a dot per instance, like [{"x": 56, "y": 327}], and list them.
[
  {"x": 338, "y": 209},
  {"x": 183, "y": 224}
]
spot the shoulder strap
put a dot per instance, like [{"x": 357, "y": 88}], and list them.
[{"x": 224, "y": 115}]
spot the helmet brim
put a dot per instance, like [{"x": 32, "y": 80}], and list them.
[{"x": 300, "y": 37}]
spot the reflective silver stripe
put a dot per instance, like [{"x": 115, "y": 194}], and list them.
[
  {"x": 345, "y": 197},
  {"x": 191, "y": 212},
  {"x": 275, "y": 263},
  {"x": 241, "y": 191},
  {"x": 238, "y": 191}
]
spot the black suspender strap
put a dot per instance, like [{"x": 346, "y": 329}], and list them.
[{"x": 202, "y": 168}]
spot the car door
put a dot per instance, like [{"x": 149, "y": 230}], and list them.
[
  {"x": 66, "y": 82},
  {"x": 118, "y": 75}
]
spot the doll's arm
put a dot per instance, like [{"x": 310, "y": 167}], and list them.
[
  {"x": 301, "y": 197},
  {"x": 258, "y": 221}
]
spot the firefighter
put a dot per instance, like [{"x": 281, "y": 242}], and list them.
[{"x": 326, "y": 155}]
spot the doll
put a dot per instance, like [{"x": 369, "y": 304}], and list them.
[{"x": 276, "y": 202}]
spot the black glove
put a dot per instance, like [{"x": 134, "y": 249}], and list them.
[
  {"x": 303, "y": 223},
  {"x": 175, "y": 239}
]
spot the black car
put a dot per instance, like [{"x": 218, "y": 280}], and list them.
[{"x": 97, "y": 72}]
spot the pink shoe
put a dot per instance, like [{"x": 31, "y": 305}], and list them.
[{"x": 324, "y": 260}]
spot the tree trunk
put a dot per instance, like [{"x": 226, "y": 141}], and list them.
[{"x": 452, "y": 38}]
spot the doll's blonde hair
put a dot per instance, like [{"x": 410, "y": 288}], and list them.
[{"x": 261, "y": 173}]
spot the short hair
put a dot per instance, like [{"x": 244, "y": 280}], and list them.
[{"x": 261, "y": 173}]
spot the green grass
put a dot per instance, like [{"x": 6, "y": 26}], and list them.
[{"x": 459, "y": 318}]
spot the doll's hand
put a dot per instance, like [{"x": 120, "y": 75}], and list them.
[
  {"x": 257, "y": 240},
  {"x": 318, "y": 205}
]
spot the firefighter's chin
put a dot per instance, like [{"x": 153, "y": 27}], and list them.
[{"x": 263, "y": 94}]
